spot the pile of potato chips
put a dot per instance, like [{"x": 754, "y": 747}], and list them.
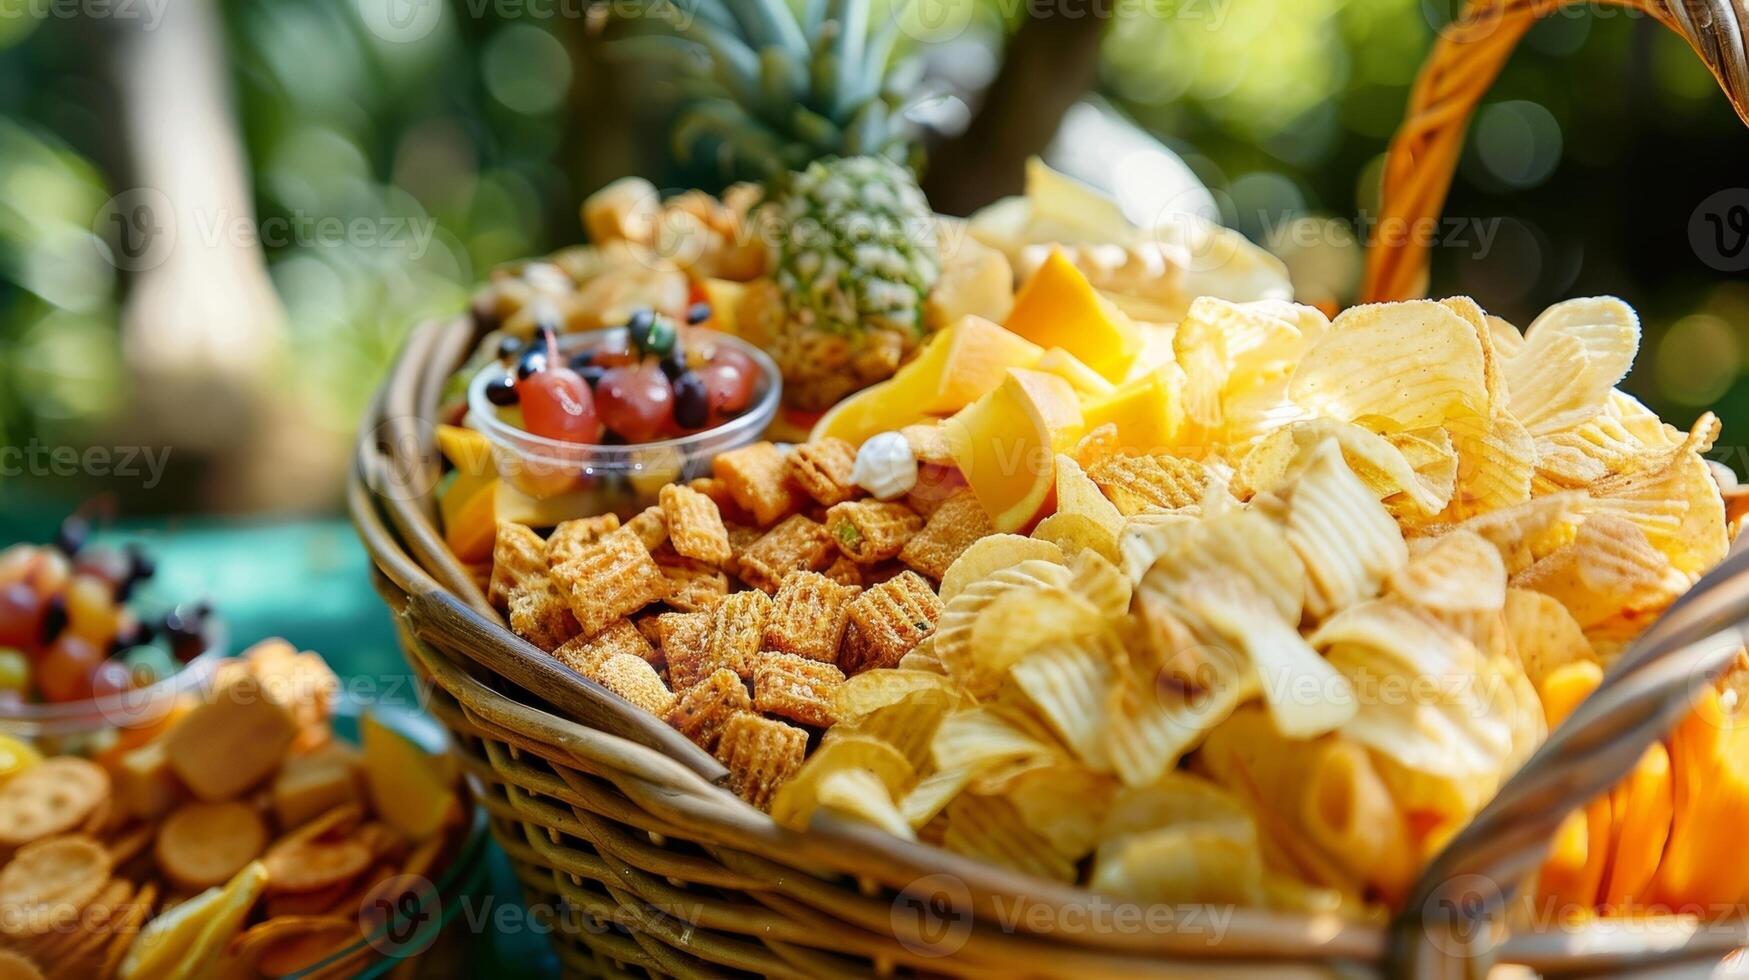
[{"x": 1283, "y": 660}]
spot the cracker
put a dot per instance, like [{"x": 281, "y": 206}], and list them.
[
  {"x": 737, "y": 630},
  {"x": 570, "y": 538},
  {"x": 518, "y": 555},
  {"x": 584, "y": 654},
  {"x": 611, "y": 580},
  {"x": 1149, "y": 484},
  {"x": 48, "y": 880},
  {"x": 695, "y": 526},
  {"x": 809, "y": 615},
  {"x": 761, "y": 755},
  {"x": 959, "y": 521},
  {"x": 701, "y": 712},
  {"x": 204, "y": 844},
  {"x": 867, "y": 531},
  {"x": 540, "y": 614},
  {"x": 650, "y": 526},
  {"x": 822, "y": 469},
  {"x": 758, "y": 479},
  {"x": 797, "y": 543},
  {"x": 685, "y": 644},
  {"x": 631, "y": 677},
  {"x": 796, "y": 688},
  {"x": 892, "y": 618},
  {"x": 693, "y": 587},
  {"x": 51, "y": 797}
]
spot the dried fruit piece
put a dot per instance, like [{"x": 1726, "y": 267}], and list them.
[
  {"x": 797, "y": 543},
  {"x": 737, "y": 628},
  {"x": 891, "y": 618},
  {"x": 953, "y": 527},
  {"x": 868, "y": 531},
  {"x": 796, "y": 688},
  {"x": 823, "y": 469},
  {"x": 704, "y": 709},
  {"x": 758, "y": 477},
  {"x": 809, "y": 615},
  {"x": 695, "y": 527},
  {"x": 610, "y": 581},
  {"x": 761, "y": 755}
]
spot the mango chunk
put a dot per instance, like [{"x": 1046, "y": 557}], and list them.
[
  {"x": 1006, "y": 444},
  {"x": 1146, "y": 410},
  {"x": 1058, "y": 307},
  {"x": 469, "y": 506},
  {"x": 1087, "y": 382},
  {"x": 409, "y": 788},
  {"x": 468, "y": 451}
]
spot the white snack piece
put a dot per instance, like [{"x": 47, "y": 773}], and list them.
[{"x": 885, "y": 467}]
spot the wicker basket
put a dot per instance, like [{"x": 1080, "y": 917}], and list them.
[{"x": 620, "y": 829}]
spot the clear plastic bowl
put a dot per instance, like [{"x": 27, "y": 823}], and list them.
[
  {"x": 88, "y": 727},
  {"x": 622, "y": 479}
]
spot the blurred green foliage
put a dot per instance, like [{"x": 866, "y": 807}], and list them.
[{"x": 1589, "y": 156}]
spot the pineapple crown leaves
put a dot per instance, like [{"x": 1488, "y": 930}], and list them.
[{"x": 769, "y": 91}]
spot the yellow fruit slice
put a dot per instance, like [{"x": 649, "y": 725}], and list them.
[
  {"x": 1006, "y": 444},
  {"x": 15, "y": 757},
  {"x": 470, "y": 515},
  {"x": 724, "y": 296},
  {"x": 1146, "y": 410},
  {"x": 409, "y": 788},
  {"x": 960, "y": 365},
  {"x": 467, "y": 450},
  {"x": 1058, "y": 307},
  {"x": 184, "y": 941},
  {"x": 1087, "y": 382}
]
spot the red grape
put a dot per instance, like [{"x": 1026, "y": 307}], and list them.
[
  {"x": 736, "y": 358},
  {"x": 557, "y": 404},
  {"x": 65, "y": 671},
  {"x": 21, "y": 616},
  {"x": 730, "y": 387},
  {"x": 51, "y": 571},
  {"x": 109, "y": 678},
  {"x": 636, "y": 402}
]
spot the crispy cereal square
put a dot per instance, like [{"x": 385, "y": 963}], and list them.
[
  {"x": 737, "y": 629},
  {"x": 518, "y": 555},
  {"x": 706, "y": 707},
  {"x": 692, "y": 586},
  {"x": 718, "y": 491},
  {"x": 1145, "y": 484},
  {"x": 610, "y": 580},
  {"x": 761, "y": 755},
  {"x": 631, "y": 677},
  {"x": 953, "y": 527},
  {"x": 845, "y": 572},
  {"x": 868, "y": 531},
  {"x": 650, "y": 526},
  {"x": 584, "y": 653},
  {"x": 796, "y": 544},
  {"x": 893, "y": 617},
  {"x": 757, "y": 477},
  {"x": 822, "y": 470},
  {"x": 571, "y": 537},
  {"x": 695, "y": 527},
  {"x": 796, "y": 688},
  {"x": 685, "y": 644},
  {"x": 808, "y": 616},
  {"x": 540, "y": 615}
]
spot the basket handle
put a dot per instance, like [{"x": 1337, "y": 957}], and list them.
[
  {"x": 1453, "y": 913},
  {"x": 1462, "y": 66}
]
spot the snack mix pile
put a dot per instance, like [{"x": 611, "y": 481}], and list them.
[{"x": 236, "y": 838}]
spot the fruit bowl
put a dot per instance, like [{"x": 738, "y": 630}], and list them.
[{"x": 619, "y": 478}]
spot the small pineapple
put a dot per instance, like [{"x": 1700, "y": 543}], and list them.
[{"x": 812, "y": 108}]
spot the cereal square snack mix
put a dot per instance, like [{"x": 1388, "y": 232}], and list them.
[
  {"x": 891, "y": 618},
  {"x": 808, "y": 616},
  {"x": 953, "y": 527},
  {"x": 822, "y": 469},
  {"x": 761, "y": 755},
  {"x": 797, "y": 543},
  {"x": 703, "y": 710},
  {"x": 758, "y": 478},
  {"x": 610, "y": 580},
  {"x": 796, "y": 688}
]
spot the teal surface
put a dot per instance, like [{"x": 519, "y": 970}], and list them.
[{"x": 309, "y": 581}]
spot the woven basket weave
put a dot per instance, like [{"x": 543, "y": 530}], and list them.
[{"x": 621, "y": 831}]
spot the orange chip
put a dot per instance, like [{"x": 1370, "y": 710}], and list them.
[
  {"x": 761, "y": 755},
  {"x": 953, "y": 527},
  {"x": 868, "y": 531},
  {"x": 797, "y": 543},
  {"x": 795, "y": 687},
  {"x": 822, "y": 469},
  {"x": 758, "y": 477},
  {"x": 703, "y": 710},
  {"x": 204, "y": 844},
  {"x": 809, "y": 615},
  {"x": 695, "y": 527}
]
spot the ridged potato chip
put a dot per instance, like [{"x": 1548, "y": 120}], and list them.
[
  {"x": 798, "y": 797},
  {"x": 1341, "y": 532},
  {"x": 991, "y": 554},
  {"x": 991, "y": 829},
  {"x": 1457, "y": 572},
  {"x": 1574, "y": 355},
  {"x": 1177, "y": 865},
  {"x": 1078, "y": 494},
  {"x": 953, "y": 633},
  {"x": 1100, "y": 582},
  {"x": 1075, "y": 533},
  {"x": 1414, "y": 364},
  {"x": 1068, "y": 684},
  {"x": 860, "y": 794},
  {"x": 1381, "y": 465},
  {"x": 1544, "y": 634},
  {"x": 1065, "y": 804}
]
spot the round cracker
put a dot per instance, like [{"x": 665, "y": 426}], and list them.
[
  {"x": 299, "y": 864},
  {"x": 206, "y": 844},
  {"x": 51, "y": 797},
  {"x": 48, "y": 881}
]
